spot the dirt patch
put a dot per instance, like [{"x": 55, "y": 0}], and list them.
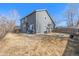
[{"x": 37, "y": 45}]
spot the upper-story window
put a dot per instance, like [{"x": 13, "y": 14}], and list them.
[{"x": 45, "y": 18}]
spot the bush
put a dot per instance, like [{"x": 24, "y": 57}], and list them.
[{"x": 6, "y": 25}]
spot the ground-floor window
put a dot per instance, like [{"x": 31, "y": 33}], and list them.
[{"x": 31, "y": 28}]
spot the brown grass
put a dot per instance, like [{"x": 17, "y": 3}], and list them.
[{"x": 37, "y": 45}]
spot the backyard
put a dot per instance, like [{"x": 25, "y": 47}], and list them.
[{"x": 34, "y": 44}]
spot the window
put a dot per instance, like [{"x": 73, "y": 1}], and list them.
[
  {"x": 45, "y": 18},
  {"x": 31, "y": 27}
]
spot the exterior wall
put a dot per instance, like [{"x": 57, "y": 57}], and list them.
[
  {"x": 23, "y": 25},
  {"x": 42, "y": 21},
  {"x": 31, "y": 19}
]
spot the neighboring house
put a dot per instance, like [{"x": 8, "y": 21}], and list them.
[{"x": 39, "y": 21}]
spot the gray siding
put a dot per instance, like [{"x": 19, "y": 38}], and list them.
[
  {"x": 23, "y": 25},
  {"x": 42, "y": 21},
  {"x": 31, "y": 19}
]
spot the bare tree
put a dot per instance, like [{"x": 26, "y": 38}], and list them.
[
  {"x": 8, "y": 23},
  {"x": 3, "y": 26},
  {"x": 70, "y": 14},
  {"x": 77, "y": 21}
]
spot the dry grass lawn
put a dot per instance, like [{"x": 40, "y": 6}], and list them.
[{"x": 33, "y": 45}]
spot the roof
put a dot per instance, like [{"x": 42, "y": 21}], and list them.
[{"x": 39, "y": 10}]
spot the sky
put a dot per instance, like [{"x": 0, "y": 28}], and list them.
[{"x": 56, "y": 10}]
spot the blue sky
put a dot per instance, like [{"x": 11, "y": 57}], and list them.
[{"x": 56, "y": 10}]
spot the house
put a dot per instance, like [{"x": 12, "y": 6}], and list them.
[{"x": 39, "y": 21}]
